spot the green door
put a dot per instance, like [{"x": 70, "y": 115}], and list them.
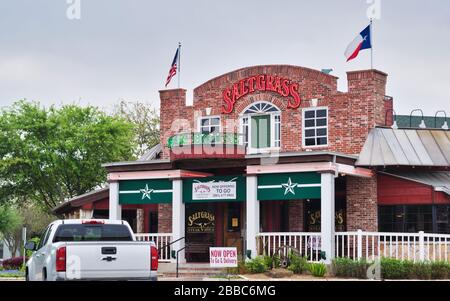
[{"x": 260, "y": 131}]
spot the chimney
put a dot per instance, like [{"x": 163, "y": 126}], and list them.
[
  {"x": 367, "y": 89},
  {"x": 173, "y": 114}
]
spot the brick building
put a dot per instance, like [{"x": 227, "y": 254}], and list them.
[{"x": 278, "y": 149}]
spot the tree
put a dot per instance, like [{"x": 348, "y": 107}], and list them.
[
  {"x": 10, "y": 225},
  {"x": 146, "y": 123},
  {"x": 49, "y": 155},
  {"x": 14, "y": 217}
]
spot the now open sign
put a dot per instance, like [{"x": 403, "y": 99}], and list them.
[{"x": 223, "y": 257}]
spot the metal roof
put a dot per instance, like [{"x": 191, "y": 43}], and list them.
[
  {"x": 440, "y": 181},
  {"x": 406, "y": 147},
  {"x": 151, "y": 154}
]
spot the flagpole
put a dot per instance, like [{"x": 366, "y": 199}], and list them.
[
  {"x": 371, "y": 43},
  {"x": 179, "y": 63}
]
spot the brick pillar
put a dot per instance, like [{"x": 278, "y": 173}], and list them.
[
  {"x": 362, "y": 209},
  {"x": 164, "y": 218},
  {"x": 296, "y": 216}
]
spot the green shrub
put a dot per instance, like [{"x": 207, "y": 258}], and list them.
[
  {"x": 395, "y": 269},
  {"x": 347, "y": 267},
  {"x": 256, "y": 265},
  {"x": 418, "y": 270},
  {"x": 318, "y": 269},
  {"x": 440, "y": 270},
  {"x": 297, "y": 264},
  {"x": 276, "y": 261}
]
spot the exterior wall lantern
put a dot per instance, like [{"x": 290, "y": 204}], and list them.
[
  {"x": 422, "y": 124},
  {"x": 208, "y": 111},
  {"x": 314, "y": 102},
  {"x": 445, "y": 126}
]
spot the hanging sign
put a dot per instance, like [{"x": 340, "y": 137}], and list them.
[
  {"x": 263, "y": 82},
  {"x": 223, "y": 257},
  {"x": 214, "y": 191}
]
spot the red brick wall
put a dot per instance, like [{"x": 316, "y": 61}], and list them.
[
  {"x": 351, "y": 115},
  {"x": 296, "y": 216},
  {"x": 362, "y": 210},
  {"x": 164, "y": 218}
]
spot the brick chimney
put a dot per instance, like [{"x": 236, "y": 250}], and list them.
[
  {"x": 368, "y": 90},
  {"x": 174, "y": 115}
]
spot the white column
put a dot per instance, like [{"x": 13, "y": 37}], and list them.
[
  {"x": 252, "y": 211},
  {"x": 178, "y": 219},
  {"x": 115, "y": 210},
  {"x": 327, "y": 215}
]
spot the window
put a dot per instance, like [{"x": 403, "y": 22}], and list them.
[
  {"x": 315, "y": 127},
  {"x": 209, "y": 125},
  {"x": 412, "y": 219},
  {"x": 80, "y": 232},
  {"x": 209, "y": 128},
  {"x": 261, "y": 127}
]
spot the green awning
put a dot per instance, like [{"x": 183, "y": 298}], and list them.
[
  {"x": 137, "y": 192},
  {"x": 289, "y": 186},
  {"x": 214, "y": 189}
]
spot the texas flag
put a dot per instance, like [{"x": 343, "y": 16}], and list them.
[{"x": 361, "y": 42}]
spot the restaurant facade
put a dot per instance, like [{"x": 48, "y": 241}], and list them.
[{"x": 275, "y": 157}]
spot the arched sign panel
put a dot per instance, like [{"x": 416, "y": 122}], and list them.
[{"x": 263, "y": 82}]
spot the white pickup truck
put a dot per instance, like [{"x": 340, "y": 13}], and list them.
[{"x": 91, "y": 250}]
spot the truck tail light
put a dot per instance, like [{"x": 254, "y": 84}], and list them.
[
  {"x": 154, "y": 258},
  {"x": 61, "y": 259}
]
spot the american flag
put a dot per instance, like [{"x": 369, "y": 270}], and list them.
[{"x": 173, "y": 68}]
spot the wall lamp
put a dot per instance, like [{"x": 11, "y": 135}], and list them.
[
  {"x": 445, "y": 126},
  {"x": 422, "y": 125}
]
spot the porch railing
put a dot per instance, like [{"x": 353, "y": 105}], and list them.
[
  {"x": 357, "y": 245},
  {"x": 306, "y": 244},
  {"x": 160, "y": 240},
  {"x": 404, "y": 246}
]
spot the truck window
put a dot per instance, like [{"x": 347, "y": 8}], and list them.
[{"x": 80, "y": 232}]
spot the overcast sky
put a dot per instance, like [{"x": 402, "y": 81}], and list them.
[{"x": 122, "y": 49}]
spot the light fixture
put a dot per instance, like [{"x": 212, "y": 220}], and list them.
[
  {"x": 445, "y": 125},
  {"x": 208, "y": 111},
  {"x": 422, "y": 124},
  {"x": 314, "y": 102}
]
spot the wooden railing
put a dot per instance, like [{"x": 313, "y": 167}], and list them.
[{"x": 161, "y": 240}]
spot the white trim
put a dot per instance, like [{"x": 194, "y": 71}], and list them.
[
  {"x": 200, "y": 118},
  {"x": 242, "y": 115},
  {"x": 304, "y": 110},
  {"x": 280, "y": 186},
  {"x": 138, "y": 191}
]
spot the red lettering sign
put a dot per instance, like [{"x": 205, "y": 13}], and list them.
[{"x": 281, "y": 86}]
